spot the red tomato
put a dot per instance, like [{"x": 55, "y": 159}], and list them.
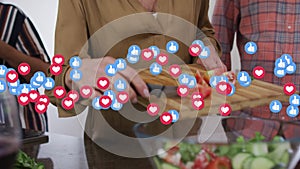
[
  {"x": 219, "y": 162},
  {"x": 201, "y": 161}
]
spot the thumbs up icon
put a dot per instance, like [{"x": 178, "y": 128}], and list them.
[
  {"x": 250, "y": 48},
  {"x": 39, "y": 78},
  {"x": 156, "y": 69},
  {"x": 243, "y": 78},
  {"x": 292, "y": 111},
  {"x": 281, "y": 64},
  {"x": 120, "y": 85},
  {"x": 295, "y": 100},
  {"x": 288, "y": 60},
  {"x": 205, "y": 53},
  {"x": 76, "y": 63},
  {"x": 110, "y": 70},
  {"x": 2, "y": 86},
  {"x": 172, "y": 47},
  {"x": 2, "y": 70},
  {"x": 76, "y": 75},
  {"x": 25, "y": 89},
  {"x": 49, "y": 83},
  {"x": 134, "y": 51},
  {"x": 275, "y": 106}
]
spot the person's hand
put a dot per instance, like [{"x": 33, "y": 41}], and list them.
[{"x": 93, "y": 69}]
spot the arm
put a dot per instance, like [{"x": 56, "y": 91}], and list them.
[{"x": 225, "y": 21}]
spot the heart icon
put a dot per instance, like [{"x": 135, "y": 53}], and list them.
[
  {"x": 198, "y": 104},
  {"x": 224, "y": 88},
  {"x": 86, "y": 91},
  {"x": 23, "y": 99},
  {"x": 175, "y": 70},
  {"x": 33, "y": 96},
  {"x": 73, "y": 94},
  {"x": 103, "y": 83},
  {"x": 147, "y": 54},
  {"x": 55, "y": 69},
  {"x": 58, "y": 59},
  {"x": 12, "y": 76},
  {"x": 197, "y": 95},
  {"x": 166, "y": 118},
  {"x": 182, "y": 90},
  {"x": 195, "y": 50},
  {"x": 67, "y": 103},
  {"x": 44, "y": 98},
  {"x": 162, "y": 59},
  {"x": 225, "y": 109},
  {"x": 59, "y": 92},
  {"x": 289, "y": 89},
  {"x": 122, "y": 97},
  {"x": 105, "y": 101},
  {"x": 24, "y": 68},
  {"x": 40, "y": 107},
  {"x": 153, "y": 109},
  {"x": 258, "y": 72}
]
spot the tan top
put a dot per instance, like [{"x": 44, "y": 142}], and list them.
[{"x": 79, "y": 19}]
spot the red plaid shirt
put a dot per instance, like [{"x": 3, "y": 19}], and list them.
[{"x": 273, "y": 24}]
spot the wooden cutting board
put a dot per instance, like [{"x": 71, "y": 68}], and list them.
[{"x": 257, "y": 94}]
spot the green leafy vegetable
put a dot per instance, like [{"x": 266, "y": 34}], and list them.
[
  {"x": 188, "y": 151},
  {"x": 25, "y": 162}
]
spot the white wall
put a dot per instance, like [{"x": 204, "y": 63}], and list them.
[{"x": 43, "y": 15}]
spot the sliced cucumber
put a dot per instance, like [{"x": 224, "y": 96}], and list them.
[
  {"x": 277, "y": 154},
  {"x": 239, "y": 159},
  {"x": 262, "y": 163},
  {"x": 285, "y": 159},
  {"x": 258, "y": 149},
  {"x": 168, "y": 166},
  {"x": 247, "y": 163}
]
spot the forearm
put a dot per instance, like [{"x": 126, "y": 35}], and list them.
[{"x": 14, "y": 57}]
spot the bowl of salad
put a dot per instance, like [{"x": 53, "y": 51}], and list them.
[{"x": 258, "y": 152}]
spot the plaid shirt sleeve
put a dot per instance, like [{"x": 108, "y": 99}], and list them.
[{"x": 225, "y": 21}]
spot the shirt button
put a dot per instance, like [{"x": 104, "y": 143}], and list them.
[{"x": 289, "y": 27}]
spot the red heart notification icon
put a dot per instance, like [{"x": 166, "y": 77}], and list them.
[
  {"x": 147, "y": 54},
  {"x": 123, "y": 97},
  {"x": 33, "y": 95},
  {"x": 86, "y": 91},
  {"x": 175, "y": 70},
  {"x": 182, "y": 90},
  {"x": 55, "y": 69},
  {"x": 24, "y": 69},
  {"x": 289, "y": 89},
  {"x": 73, "y": 94},
  {"x": 23, "y": 99},
  {"x": 105, "y": 101},
  {"x": 40, "y": 107},
  {"x": 12, "y": 76},
  {"x": 225, "y": 109},
  {"x": 58, "y": 59},
  {"x": 166, "y": 118},
  {"x": 195, "y": 50},
  {"x": 162, "y": 59},
  {"x": 59, "y": 92},
  {"x": 67, "y": 103},
  {"x": 198, "y": 104},
  {"x": 153, "y": 109},
  {"x": 224, "y": 88},
  {"x": 44, "y": 98},
  {"x": 103, "y": 83},
  {"x": 258, "y": 72}
]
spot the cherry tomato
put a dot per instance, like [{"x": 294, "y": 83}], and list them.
[
  {"x": 219, "y": 162},
  {"x": 201, "y": 161}
]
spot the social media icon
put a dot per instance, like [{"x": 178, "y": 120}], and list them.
[
  {"x": 58, "y": 59},
  {"x": 13, "y": 91},
  {"x": 175, "y": 70},
  {"x": 24, "y": 68},
  {"x": 275, "y": 106},
  {"x": 232, "y": 90},
  {"x": 195, "y": 50},
  {"x": 59, "y": 92},
  {"x": 44, "y": 98},
  {"x": 192, "y": 82},
  {"x": 280, "y": 63},
  {"x": 23, "y": 88},
  {"x": 122, "y": 97},
  {"x": 162, "y": 59},
  {"x": 199, "y": 42},
  {"x": 258, "y": 72},
  {"x": 120, "y": 85},
  {"x": 198, "y": 104},
  {"x": 86, "y": 91},
  {"x": 166, "y": 118},
  {"x": 76, "y": 75},
  {"x": 291, "y": 69},
  {"x": 292, "y": 111},
  {"x": 244, "y": 79},
  {"x": 205, "y": 53},
  {"x": 295, "y": 100},
  {"x": 225, "y": 109},
  {"x": 223, "y": 79},
  {"x": 75, "y": 62},
  {"x": 11, "y": 76},
  {"x": 134, "y": 50},
  {"x": 55, "y": 69},
  {"x": 110, "y": 70},
  {"x": 3, "y": 70},
  {"x": 147, "y": 54},
  {"x": 279, "y": 72},
  {"x": 251, "y": 48},
  {"x": 172, "y": 47},
  {"x": 105, "y": 102},
  {"x": 103, "y": 83},
  {"x": 15, "y": 84},
  {"x": 184, "y": 79},
  {"x": 155, "y": 69},
  {"x": 110, "y": 94},
  {"x": 288, "y": 58},
  {"x": 175, "y": 115},
  {"x": 67, "y": 103},
  {"x": 182, "y": 90},
  {"x": 23, "y": 99},
  {"x": 213, "y": 81},
  {"x": 223, "y": 88},
  {"x": 39, "y": 77},
  {"x": 34, "y": 84},
  {"x": 49, "y": 83},
  {"x": 33, "y": 95},
  {"x": 116, "y": 106},
  {"x": 133, "y": 59},
  {"x": 73, "y": 94},
  {"x": 155, "y": 50},
  {"x": 120, "y": 64},
  {"x": 2, "y": 86},
  {"x": 96, "y": 104},
  {"x": 153, "y": 109},
  {"x": 289, "y": 89},
  {"x": 40, "y": 107}
]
